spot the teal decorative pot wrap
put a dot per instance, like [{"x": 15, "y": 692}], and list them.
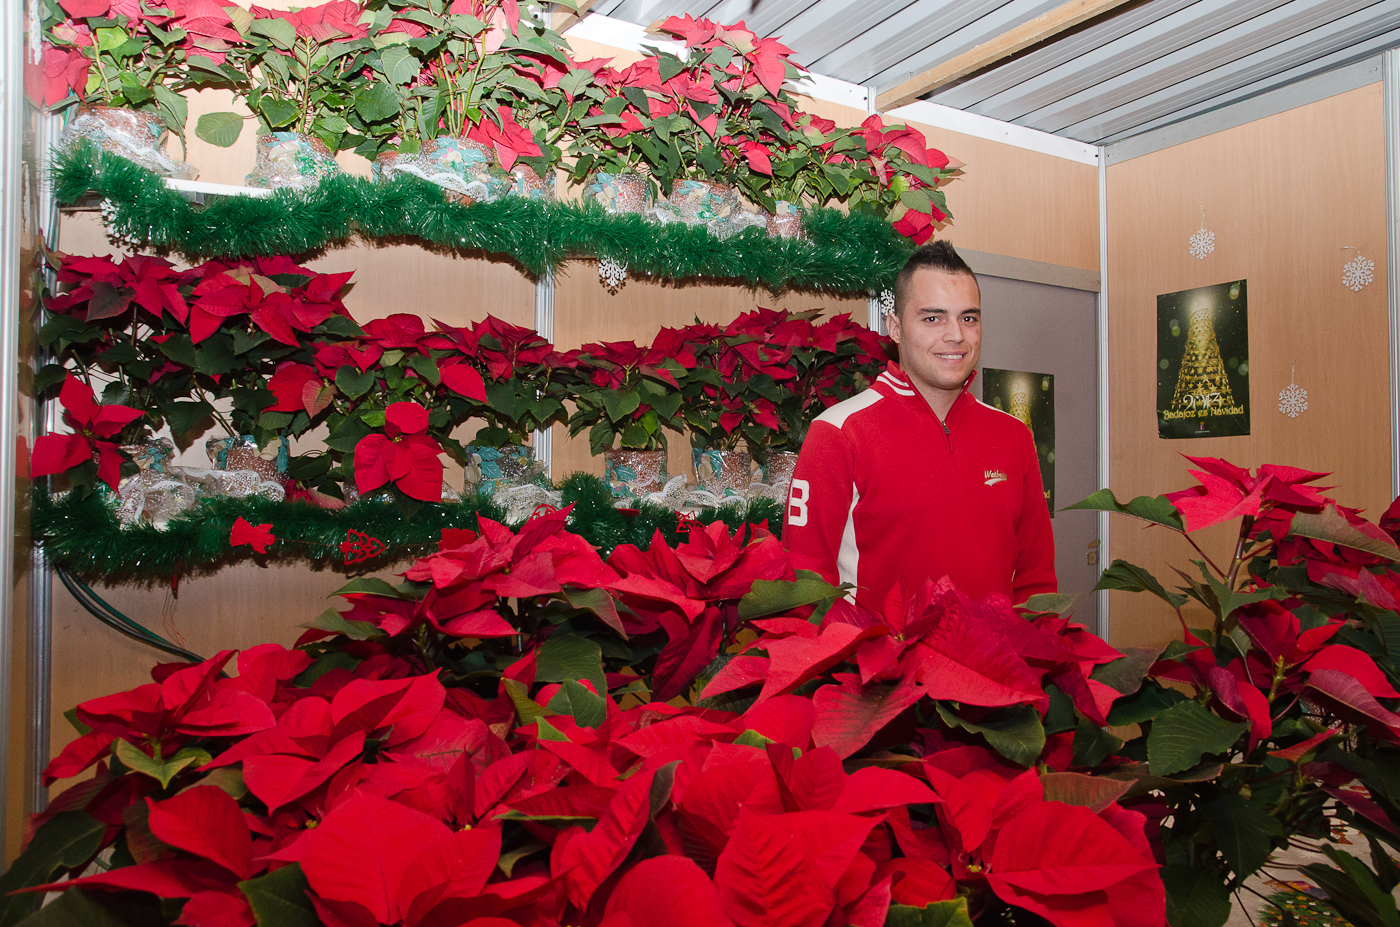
[
  {"x": 724, "y": 473},
  {"x": 290, "y": 159},
  {"x": 619, "y": 193},
  {"x": 632, "y": 474},
  {"x": 493, "y": 468}
]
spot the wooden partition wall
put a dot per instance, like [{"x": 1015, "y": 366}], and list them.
[
  {"x": 1009, "y": 201},
  {"x": 1283, "y": 196}
]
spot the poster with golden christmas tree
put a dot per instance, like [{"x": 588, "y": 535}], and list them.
[
  {"x": 1203, "y": 362},
  {"x": 1029, "y": 397}
]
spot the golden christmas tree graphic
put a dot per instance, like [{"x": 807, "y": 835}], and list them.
[
  {"x": 1021, "y": 408},
  {"x": 1201, "y": 383}
]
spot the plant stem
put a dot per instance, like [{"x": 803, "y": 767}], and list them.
[
  {"x": 217, "y": 414},
  {"x": 1246, "y": 523}
]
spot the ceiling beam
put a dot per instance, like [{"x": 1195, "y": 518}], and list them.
[
  {"x": 1044, "y": 26},
  {"x": 563, "y": 19}
]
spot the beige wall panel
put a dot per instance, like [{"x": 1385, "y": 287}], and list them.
[
  {"x": 1020, "y": 203},
  {"x": 584, "y": 312},
  {"x": 82, "y": 233},
  {"x": 394, "y": 278},
  {"x": 1283, "y": 195},
  {"x": 586, "y": 49}
]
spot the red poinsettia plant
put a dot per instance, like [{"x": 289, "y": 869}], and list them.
[
  {"x": 524, "y": 733},
  {"x": 739, "y": 378},
  {"x": 467, "y": 69},
  {"x": 719, "y": 113},
  {"x": 302, "y": 71},
  {"x": 90, "y": 454},
  {"x": 902, "y": 178},
  {"x": 629, "y": 392},
  {"x": 762, "y": 379},
  {"x": 522, "y": 378},
  {"x": 1290, "y": 718},
  {"x": 132, "y": 54}
]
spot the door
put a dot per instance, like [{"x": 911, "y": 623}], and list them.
[{"x": 1037, "y": 328}]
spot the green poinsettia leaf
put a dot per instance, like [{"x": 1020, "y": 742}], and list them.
[
  {"x": 221, "y": 129},
  {"x": 1183, "y": 734}
]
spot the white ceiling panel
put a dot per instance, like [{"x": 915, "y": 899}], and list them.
[
  {"x": 1140, "y": 49},
  {"x": 1298, "y": 19},
  {"x": 1341, "y": 38}
]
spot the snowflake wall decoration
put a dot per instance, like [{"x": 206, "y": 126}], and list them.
[
  {"x": 612, "y": 272},
  {"x": 887, "y": 301},
  {"x": 1292, "y": 399},
  {"x": 1203, "y": 241},
  {"x": 1358, "y": 272}
]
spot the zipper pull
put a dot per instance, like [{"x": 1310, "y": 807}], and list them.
[{"x": 945, "y": 428}]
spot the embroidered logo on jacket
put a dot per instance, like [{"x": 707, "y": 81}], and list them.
[{"x": 994, "y": 477}]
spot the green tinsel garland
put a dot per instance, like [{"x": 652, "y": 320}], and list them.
[
  {"x": 841, "y": 254},
  {"x": 82, "y": 534}
]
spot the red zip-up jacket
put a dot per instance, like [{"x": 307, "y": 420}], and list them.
[{"x": 884, "y": 491}]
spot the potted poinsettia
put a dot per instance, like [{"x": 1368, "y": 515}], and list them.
[
  {"x": 126, "y": 66},
  {"x": 474, "y": 108},
  {"x": 609, "y": 143},
  {"x": 357, "y": 381},
  {"x": 901, "y": 178},
  {"x": 807, "y": 169},
  {"x": 303, "y": 73},
  {"x": 628, "y": 394},
  {"x": 732, "y": 395},
  {"x": 122, "y": 326},
  {"x": 717, "y": 114},
  {"x": 512, "y": 379}
]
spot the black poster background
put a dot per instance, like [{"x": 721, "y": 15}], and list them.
[
  {"x": 1207, "y": 411},
  {"x": 999, "y": 389}
]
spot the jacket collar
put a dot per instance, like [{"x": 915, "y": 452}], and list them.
[{"x": 894, "y": 382}]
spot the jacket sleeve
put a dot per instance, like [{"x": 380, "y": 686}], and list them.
[
  {"x": 819, "y": 501},
  {"x": 1035, "y": 541}
]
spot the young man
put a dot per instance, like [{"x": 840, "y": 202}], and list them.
[{"x": 913, "y": 478}]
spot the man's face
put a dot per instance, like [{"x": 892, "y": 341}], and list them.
[{"x": 939, "y": 332}]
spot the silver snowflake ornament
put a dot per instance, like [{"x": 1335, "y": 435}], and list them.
[
  {"x": 1202, "y": 243},
  {"x": 612, "y": 272},
  {"x": 1292, "y": 399},
  {"x": 1358, "y": 272},
  {"x": 887, "y": 301}
]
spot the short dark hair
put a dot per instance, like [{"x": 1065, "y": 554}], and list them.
[{"x": 936, "y": 255}]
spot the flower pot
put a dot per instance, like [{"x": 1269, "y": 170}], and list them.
[
  {"x": 291, "y": 159},
  {"x": 785, "y": 221},
  {"x": 460, "y": 166},
  {"x": 632, "y": 474},
  {"x": 700, "y": 202},
  {"x": 158, "y": 492},
  {"x": 492, "y": 468},
  {"x": 777, "y": 472},
  {"x": 243, "y": 454},
  {"x": 727, "y": 474},
  {"x": 525, "y": 182},
  {"x": 153, "y": 456},
  {"x": 134, "y": 134},
  {"x": 619, "y": 193}
]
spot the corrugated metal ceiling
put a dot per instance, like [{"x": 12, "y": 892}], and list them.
[{"x": 1144, "y": 65}]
